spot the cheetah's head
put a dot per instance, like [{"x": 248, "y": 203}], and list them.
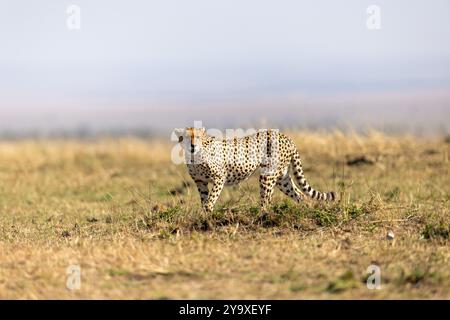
[{"x": 190, "y": 138}]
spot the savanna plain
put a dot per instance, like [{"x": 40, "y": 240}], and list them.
[{"x": 129, "y": 219}]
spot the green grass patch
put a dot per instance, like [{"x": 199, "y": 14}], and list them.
[
  {"x": 433, "y": 231},
  {"x": 344, "y": 282}
]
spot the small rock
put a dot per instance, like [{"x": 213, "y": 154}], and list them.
[
  {"x": 360, "y": 160},
  {"x": 390, "y": 235},
  {"x": 65, "y": 234},
  {"x": 156, "y": 208},
  {"x": 346, "y": 243}
]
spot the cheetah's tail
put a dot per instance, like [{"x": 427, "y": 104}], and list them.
[{"x": 304, "y": 185}]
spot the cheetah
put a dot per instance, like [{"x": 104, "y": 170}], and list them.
[{"x": 221, "y": 162}]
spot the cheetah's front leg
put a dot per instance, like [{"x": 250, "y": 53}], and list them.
[
  {"x": 202, "y": 187},
  {"x": 267, "y": 185},
  {"x": 216, "y": 189}
]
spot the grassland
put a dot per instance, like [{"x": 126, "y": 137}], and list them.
[{"x": 130, "y": 219}]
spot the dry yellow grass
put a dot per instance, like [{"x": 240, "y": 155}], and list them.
[{"x": 120, "y": 210}]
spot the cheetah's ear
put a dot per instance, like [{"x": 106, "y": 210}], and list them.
[
  {"x": 179, "y": 132},
  {"x": 176, "y": 131}
]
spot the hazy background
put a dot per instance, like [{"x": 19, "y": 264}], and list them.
[{"x": 148, "y": 66}]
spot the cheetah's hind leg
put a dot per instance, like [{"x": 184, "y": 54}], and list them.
[{"x": 288, "y": 187}]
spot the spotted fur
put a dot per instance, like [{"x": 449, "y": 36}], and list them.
[{"x": 227, "y": 162}]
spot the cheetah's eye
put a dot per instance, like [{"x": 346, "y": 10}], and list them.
[{"x": 180, "y": 139}]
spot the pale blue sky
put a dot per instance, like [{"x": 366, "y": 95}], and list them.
[{"x": 165, "y": 51}]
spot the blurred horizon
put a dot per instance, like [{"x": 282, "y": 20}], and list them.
[{"x": 149, "y": 66}]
